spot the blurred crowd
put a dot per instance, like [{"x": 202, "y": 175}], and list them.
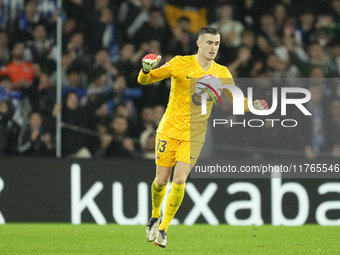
[{"x": 107, "y": 114}]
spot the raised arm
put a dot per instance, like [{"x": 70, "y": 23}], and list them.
[
  {"x": 228, "y": 93},
  {"x": 258, "y": 104}
]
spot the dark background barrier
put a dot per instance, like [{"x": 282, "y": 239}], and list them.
[{"x": 46, "y": 190}]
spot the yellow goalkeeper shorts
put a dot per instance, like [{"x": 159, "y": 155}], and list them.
[{"x": 169, "y": 151}]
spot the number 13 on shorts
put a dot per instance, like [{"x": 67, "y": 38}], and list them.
[{"x": 161, "y": 146}]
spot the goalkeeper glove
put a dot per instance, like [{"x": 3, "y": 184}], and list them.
[
  {"x": 150, "y": 61},
  {"x": 261, "y": 105}
]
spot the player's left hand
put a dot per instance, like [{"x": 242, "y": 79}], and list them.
[
  {"x": 261, "y": 105},
  {"x": 150, "y": 61}
]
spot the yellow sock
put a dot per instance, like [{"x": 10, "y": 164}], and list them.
[
  {"x": 173, "y": 202},
  {"x": 158, "y": 193}
]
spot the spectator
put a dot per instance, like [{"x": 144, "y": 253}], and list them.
[
  {"x": 229, "y": 54},
  {"x": 42, "y": 95},
  {"x": 148, "y": 118},
  {"x": 70, "y": 25},
  {"x": 39, "y": 49},
  {"x": 75, "y": 142},
  {"x": 129, "y": 59},
  {"x": 183, "y": 46},
  {"x": 9, "y": 10},
  {"x": 318, "y": 77},
  {"x": 183, "y": 42},
  {"x": 75, "y": 10},
  {"x": 140, "y": 19},
  {"x": 268, "y": 29},
  {"x": 326, "y": 29},
  {"x": 264, "y": 46},
  {"x": 282, "y": 52},
  {"x": 102, "y": 115},
  {"x": 196, "y": 11},
  {"x": 121, "y": 110},
  {"x": 310, "y": 135},
  {"x": 127, "y": 13},
  {"x": 155, "y": 47},
  {"x": 105, "y": 33},
  {"x": 33, "y": 141},
  {"x": 48, "y": 10},
  {"x": 292, "y": 7},
  {"x": 154, "y": 29},
  {"x": 335, "y": 4},
  {"x": 24, "y": 23},
  {"x": 67, "y": 58},
  {"x": 147, "y": 142},
  {"x": 118, "y": 145},
  {"x": 4, "y": 49},
  {"x": 276, "y": 67},
  {"x": 22, "y": 73},
  {"x": 250, "y": 10},
  {"x": 124, "y": 110},
  {"x": 334, "y": 52},
  {"x": 125, "y": 95},
  {"x": 6, "y": 114},
  {"x": 230, "y": 29},
  {"x": 73, "y": 77},
  {"x": 97, "y": 81},
  {"x": 333, "y": 127},
  {"x": 280, "y": 15},
  {"x": 304, "y": 32},
  {"x": 102, "y": 59},
  {"x": 79, "y": 51},
  {"x": 7, "y": 93},
  {"x": 241, "y": 66},
  {"x": 317, "y": 57}
]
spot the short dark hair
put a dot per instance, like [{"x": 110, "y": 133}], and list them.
[
  {"x": 209, "y": 30},
  {"x": 72, "y": 70},
  {"x": 155, "y": 9},
  {"x": 34, "y": 112},
  {"x": 28, "y": 1},
  {"x": 183, "y": 18},
  {"x": 100, "y": 49},
  {"x": 97, "y": 73},
  {"x": 16, "y": 43},
  {"x": 39, "y": 24}
]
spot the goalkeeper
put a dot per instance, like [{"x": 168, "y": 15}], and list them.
[{"x": 176, "y": 146}]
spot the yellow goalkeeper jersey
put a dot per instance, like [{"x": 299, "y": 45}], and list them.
[{"x": 182, "y": 119}]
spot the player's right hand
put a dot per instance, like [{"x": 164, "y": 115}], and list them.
[{"x": 150, "y": 61}]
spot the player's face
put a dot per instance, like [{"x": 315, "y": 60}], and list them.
[{"x": 208, "y": 45}]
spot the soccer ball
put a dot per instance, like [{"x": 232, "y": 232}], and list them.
[{"x": 208, "y": 83}]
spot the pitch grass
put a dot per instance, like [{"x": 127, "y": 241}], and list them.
[{"x": 197, "y": 239}]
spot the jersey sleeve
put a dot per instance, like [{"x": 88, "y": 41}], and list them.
[
  {"x": 167, "y": 70},
  {"x": 228, "y": 93}
]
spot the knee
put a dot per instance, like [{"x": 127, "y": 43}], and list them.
[
  {"x": 179, "y": 180},
  {"x": 161, "y": 181}
]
